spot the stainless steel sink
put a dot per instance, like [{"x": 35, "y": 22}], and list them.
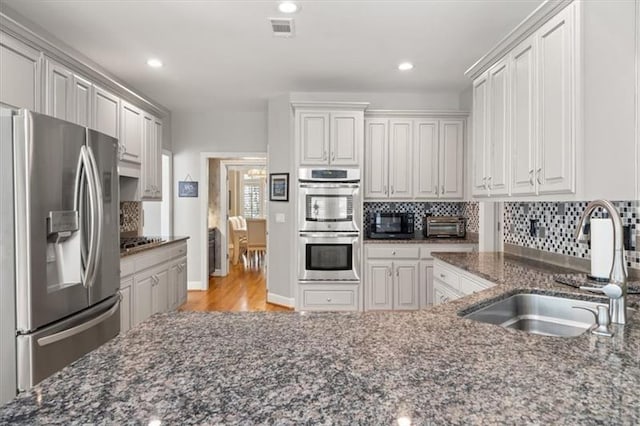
[{"x": 538, "y": 314}]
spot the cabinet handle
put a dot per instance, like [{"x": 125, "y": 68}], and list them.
[
  {"x": 392, "y": 190},
  {"x": 393, "y": 252},
  {"x": 328, "y": 299},
  {"x": 484, "y": 179},
  {"x": 333, "y": 156},
  {"x": 389, "y": 271},
  {"x": 538, "y": 176},
  {"x": 385, "y": 190},
  {"x": 397, "y": 272},
  {"x": 442, "y": 190},
  {"x": 324, "y": 154},
  {"x": 437, "y": 192},
  {"x": 531, "y": 182},
  {"x": 489, "y": 182},
  {"x": 443, "y": 276}
]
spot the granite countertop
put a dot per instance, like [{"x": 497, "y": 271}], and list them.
[
  {"x": 418, "y": 238},
  {"x": 428, "y": 367},
  {"x": 165, "y": 241}
]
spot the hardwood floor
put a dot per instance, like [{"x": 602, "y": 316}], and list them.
[{"x": 240, "y": 291}]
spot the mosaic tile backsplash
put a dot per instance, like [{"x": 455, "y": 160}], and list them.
[
  {"x": 468, "y": 210},
  {"x": 130, "y": 212},
  {"x": 557, "y": 222}
]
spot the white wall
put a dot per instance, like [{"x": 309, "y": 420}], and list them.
[{"x": 194, "y": 132}]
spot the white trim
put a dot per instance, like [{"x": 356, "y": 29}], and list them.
[
  {"x": 330, "y": 105},
  {"x": 204, "y": 204},
  {"x": 169, "y": 189},
  {"x": 637, "y": 100},
  {"x": 414, "y": 113},
  {"x": 223, "y": 175},
  {"x": 196, "y": 285},
  {"x": 77, "y": 62},
  {"x": 289, "y": 302},
  {"x": 528, "y": 26}
]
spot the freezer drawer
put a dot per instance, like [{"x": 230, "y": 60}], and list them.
[{"x": 47, "y": 351}]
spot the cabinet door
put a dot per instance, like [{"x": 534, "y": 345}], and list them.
[
  {"x": 142, "y": 298},
  {"x": 20, "y": 72},
  {"x": 556, "y": 156},
  {"x": 82, "y": 101},
  {"x": 376, "y": 177},
  {"x": 451, "y": 158},
  {"x": 106, "y": 112},
  {"x": 346, "y": 138},
  {"x": 426, "y": 159},
  {"x": 131, "y": 133},
  {"x": 498, "y": 132},
  {"x": 59, "y": 91},
  {"x": 182, "y": 282},
  {"x": 523, "y": 116},
  {"x": 125, "y": 305},
  {"x": 160, "y": 294},
  {"x": 400, "y": 152},
  {"x": 405, "y": 289},
  {"x": 379, "y": 280},
  {"x": 157, "y": 145},
  {"x": 313, "y": 135},
  {"x": 479, "y": 154},
  {"x": 148, "y": 166},
  {"x": 426, "y": 283}
]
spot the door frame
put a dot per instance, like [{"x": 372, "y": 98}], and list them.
[
  {"x": 169, "y": 200},
  {"x": 204, "y": 205}
]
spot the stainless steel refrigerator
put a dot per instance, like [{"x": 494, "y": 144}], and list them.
[{"x": 65, "y": 223}]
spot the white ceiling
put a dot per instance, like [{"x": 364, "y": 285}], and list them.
[{"x": 222, "y": 53}]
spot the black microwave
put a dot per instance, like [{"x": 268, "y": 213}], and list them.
[{"x": 391, "y": 225}]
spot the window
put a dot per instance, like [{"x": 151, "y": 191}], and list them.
[{"x": 253, "y": 189}]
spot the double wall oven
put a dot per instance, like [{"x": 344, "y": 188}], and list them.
[{"x": 329, "y": 224}]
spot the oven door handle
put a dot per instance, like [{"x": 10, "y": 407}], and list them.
[
  {"x": 330, "y": 185},
  {"x": 329, "y": 234}
]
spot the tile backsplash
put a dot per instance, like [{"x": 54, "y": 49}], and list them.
[
  {"x": 130, "y": 216},
  {"x": 558, "y": 222},
  {"x": 419, "y": 209}
]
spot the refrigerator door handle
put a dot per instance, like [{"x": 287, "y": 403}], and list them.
[
  {"x": 65, "y": 334},
  {"x": 84, "y": 174},
  {"x": 91, "y": 257},
  {"x": 97, "y": 212}
]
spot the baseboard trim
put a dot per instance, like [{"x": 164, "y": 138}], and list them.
[
  {"x": 276, "y": 299},
  {"x": 196, "y": 285}
]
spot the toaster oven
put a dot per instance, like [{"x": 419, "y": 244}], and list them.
[{"x": 444, "y": 227}]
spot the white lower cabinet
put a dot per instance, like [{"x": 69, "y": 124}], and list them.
[
  {"x": 329, "y": 296},
  {"x": 151, "y": 282},
  {"x": 450, "y": 283},
  {"x": 401, "y": 276}
]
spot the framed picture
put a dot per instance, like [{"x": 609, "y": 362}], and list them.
[
  {"x": 278, "y": 186},
  {"x": 188, "y": 188}
]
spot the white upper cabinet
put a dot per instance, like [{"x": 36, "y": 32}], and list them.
[
  {"x": 426, "y": 159},
  {"x": 414, "y": 158},
  {"x": 556, "y": 154},
  {"x": 151, "y": 167},
  {"x": 314, "y": 137},
  {"x": 400, "y": 156},
  {"x": 498, "y": 130},
  {"x": 347, "y": 132},
  {"x": 376, "y": 152},
  {"x": 481, "y": 151},
  {"x": 59, "y": 91},
  {"x": 131, "y": 133},
  {"x": 523, "y": 118},
  {"x": 451, "y": 159},
  {"x": 20, "y": 74},
  {"x": 330, "y": 137},
  {"x": 524, "y": 110},
  {"x": 82, "y": 101},
  {"x": 106, "y": 112}
]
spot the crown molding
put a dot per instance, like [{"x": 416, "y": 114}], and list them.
[
  {"x": 528, "y": 26},
  {"x": 330, "y": 105},
  {"x": 415, "y": 113}
]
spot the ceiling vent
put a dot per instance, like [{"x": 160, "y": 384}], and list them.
[{"x": 282, "y": 27}]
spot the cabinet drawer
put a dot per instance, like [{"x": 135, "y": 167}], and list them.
[
  {"x": 393, "y": 252},
  {"x": 329, "y": 299},
  {"x": 443, "y": 293},
  {"x": 181, "y": 250},
  {"x": 446, "y": 275},
  {"x": 469, "y": 286}
]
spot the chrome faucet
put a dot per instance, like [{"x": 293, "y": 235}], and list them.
[{"x": 616, "y": 290}]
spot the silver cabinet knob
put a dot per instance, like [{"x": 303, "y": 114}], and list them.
[{"x": 328, "y": 299}]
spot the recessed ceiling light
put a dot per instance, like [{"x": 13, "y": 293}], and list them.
[
  {"x": 287, "y": 7},
  {"x": 405, "y": 66},
  {"x": 154, "y": 63}
]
